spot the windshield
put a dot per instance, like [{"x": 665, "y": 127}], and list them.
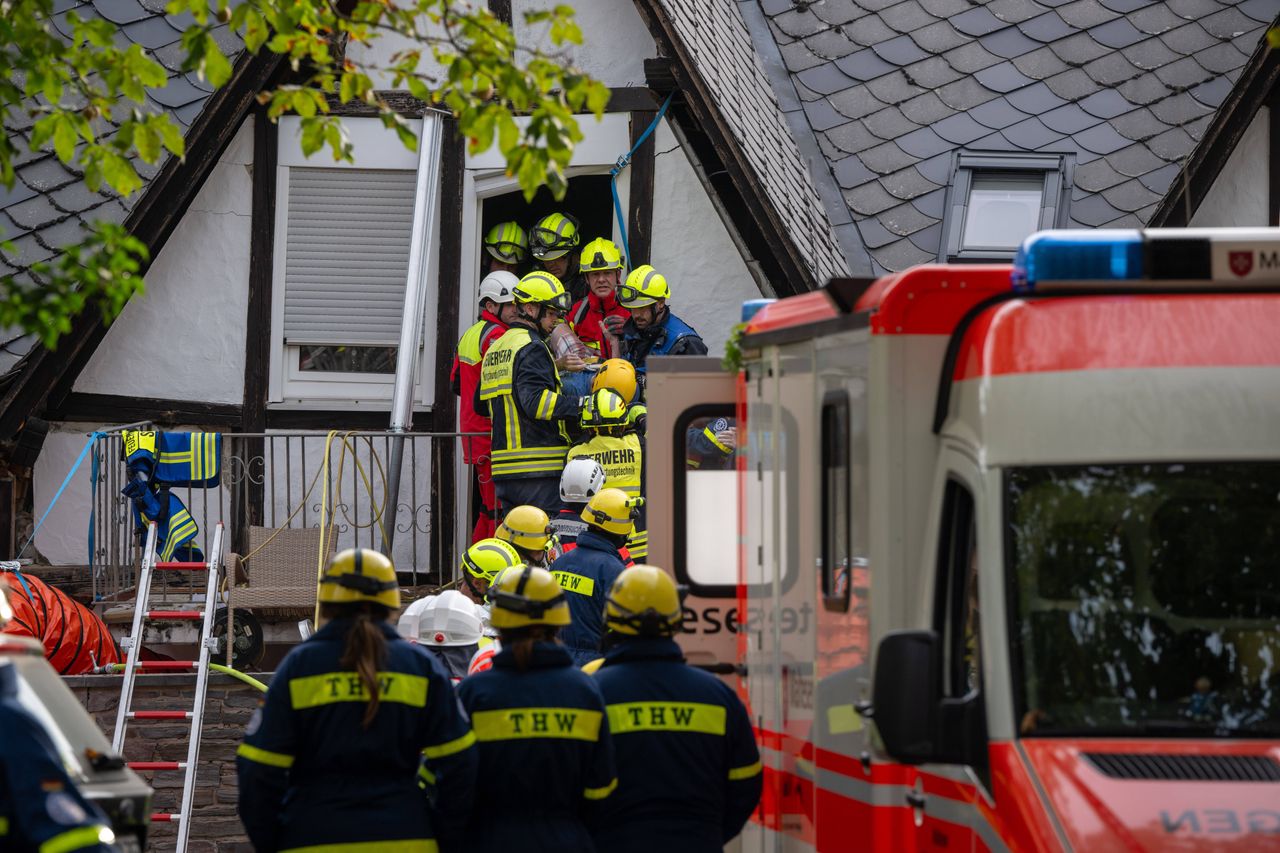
[{"x": 1145, "y": 599}]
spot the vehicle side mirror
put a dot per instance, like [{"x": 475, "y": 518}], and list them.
[{"x": 916, "y": 722}]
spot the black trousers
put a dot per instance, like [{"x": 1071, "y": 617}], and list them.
[{"x": 542, "y": 492}]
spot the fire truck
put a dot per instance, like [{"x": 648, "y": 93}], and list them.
[{"x": 996, "y": 561}]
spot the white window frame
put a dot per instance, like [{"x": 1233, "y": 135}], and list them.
[
  {"x": 375, "y": 147},
  {"x": 1055, "y": 196}
]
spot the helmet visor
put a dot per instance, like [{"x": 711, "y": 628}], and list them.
[
  {"x": 633, "y": 297},
  {"x": 560, "y": 303},
  {"x": 505, "y": 250}
]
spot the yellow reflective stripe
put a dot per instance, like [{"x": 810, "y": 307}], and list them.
[
  {"x": 528, "y": 468},
  {"x": 530, "y": 452},
  {"x": 265, "y": 756},
  {"x": 4, "y": 826},
  {"x": 425, "y": 775},
  {"x": 711, "y": 436},
  {"x": 78, "y": 839},
  {"x": 409, "y": 845},
  {"x": 328, "y": 688},
  {"x": 666, "y": 717},
  {"x": 575, "y": 583},
  {"x": 515, "y": 440},
  {"x": 842, "y": 719},
  {"x": 546, "y": 405},
  {"x": 449, "y": 748},
  {"x": 738, "y": 773},
  {"x": 522, "y": 723},
  {"x": 600, "y": 793}
]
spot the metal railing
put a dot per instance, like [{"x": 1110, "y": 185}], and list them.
[{"x": 295, "y": 479}]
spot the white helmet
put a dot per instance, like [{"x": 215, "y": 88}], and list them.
[
  {"x": 580, "y": 480},
  {"x": 499, "y": 286},
  {"x": 449, "y": 620}
]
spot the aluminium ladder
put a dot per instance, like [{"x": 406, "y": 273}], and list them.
[{"x": 132, "y": 666}]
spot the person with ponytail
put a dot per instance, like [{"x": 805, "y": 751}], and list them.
[
  {"x": 546, "y": 760},
  {"x": 356, "y": 724}
]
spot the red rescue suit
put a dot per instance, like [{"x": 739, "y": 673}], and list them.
[{"x": 463, "y": 379}]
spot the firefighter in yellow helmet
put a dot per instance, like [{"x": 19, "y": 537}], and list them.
[
  {"x": 689, "y": 772},
  {"x": 507, "y": 247},
  {"x": 520, "y": 388},
  {"x": 653, "y": 329},
  {"x": 546, "y": 759},
  {"x": 553, "y": 241},
  {"x": 332, "y": 758},
  {"x": 610, "y": 439},
  {"x": 589, "y": 569},
  {"x": 528, "y": 530},
  {"x": 598, "y": 317}
]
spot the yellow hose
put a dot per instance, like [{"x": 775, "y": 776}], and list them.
[{"x": 216, "y": 667}]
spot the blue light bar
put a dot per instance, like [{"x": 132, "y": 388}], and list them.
[
  {"x": 752, "y": 307},
  {"x": 1078, "y": 255}
]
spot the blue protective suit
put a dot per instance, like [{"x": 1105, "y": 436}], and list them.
[
  {"x": 585, "y": 574},
  {"x": 40, "y": 807},
  {"x": 311, "y": 776},
  {"x": 672, "y": 336},
  {"x": 689, "y": 772},
  {"x": 545, "y": 756}
]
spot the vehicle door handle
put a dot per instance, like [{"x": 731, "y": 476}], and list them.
[
  {"x": 915, "y": 799},
  {"x": 865, "y": 709}
]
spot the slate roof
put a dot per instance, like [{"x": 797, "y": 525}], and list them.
[
  {"x": 890, "y": 89},
  {"x": 717, "y": 37},
  {"x": 49, "y": 204}
]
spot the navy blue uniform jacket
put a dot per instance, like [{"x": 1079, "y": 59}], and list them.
[
  {"x": 545, "y": 756},
  {"x": 312, "y": 776},
  {"x": 689, "y": 772},
  {"x": 40, "y": 808},
  {"x": 585, "y": 574}
]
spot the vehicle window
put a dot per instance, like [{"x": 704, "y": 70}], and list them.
[
  {"x": 1146, "y": 598},
  {"x": 956, "y": 613},
  {"x": 708, "y": 552},
  {"x": 837, "y": 542}
]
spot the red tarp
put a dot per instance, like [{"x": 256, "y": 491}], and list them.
[{"x": 73, "y": 636}]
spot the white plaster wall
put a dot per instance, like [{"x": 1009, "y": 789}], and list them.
[
  {"x": 692, "y": 248},
  {"x": 615, "y": 40},
  {"x": 183, "y": 338},
  {"x": 380, "y": 54},
  {"x": 1238, "y": 196}
]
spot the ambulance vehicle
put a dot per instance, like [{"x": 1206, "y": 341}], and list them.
[{"x": 996, "y": 564}]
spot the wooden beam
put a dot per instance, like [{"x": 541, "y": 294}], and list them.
[
  {"x": 449, "y": 286},
  {"x": 312, "y": 419},
  {"x": 108, "y": 409},
  {"x": 49, "y": 375},
  {"x": 640, "y": 220},
  {"x": 501, "y": 10},
  {"x": 627, "y": 99}
]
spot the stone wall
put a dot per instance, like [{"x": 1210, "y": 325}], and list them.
[{"x": 215, "y": 827}]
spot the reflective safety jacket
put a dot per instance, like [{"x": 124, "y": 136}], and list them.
[
  {"x": 520, "y": 386},
  {"x": 672, "y": 336},
  {"x": 586, "y": 318},
  {"x": 689, "y": 772},
  {"x": 40, "y": 807},
  {"x": 545, "y": 756},
  {"x": 622, "y": 458},
  {"x": 585, "y": 574},
  {"x": 313, "y": 778},
  {"x": 464, "y": 379}
]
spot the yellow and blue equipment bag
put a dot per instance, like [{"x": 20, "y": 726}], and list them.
[{"x": 175, "y": 458}]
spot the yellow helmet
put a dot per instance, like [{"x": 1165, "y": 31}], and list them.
[
  {"x": 618, "y": 374},
  {"x": 643, "y": 601},
  {"x": 613, "y": 511},
  {"x": 607, "y": 409},
  {"x": 506, "y": 242},
  {"x": 600, "y": 254},
  {"x": 360, "y": 574},
  {"x": 542, "y": 288},
  {"x": 524, "y": 596},
  {"x": 487, "y": 557},
  {"x": 526, "y": 527},
  {"x": 553, "y": 236},
  {"x": 643, "y": 287}
]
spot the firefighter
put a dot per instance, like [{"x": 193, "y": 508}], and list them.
[
  {"x": 520, "y": 387},
  {"x": 653, "y": 329},
  {"x": 40, "y": 807},
  {"x": 528, "y": 530},
  {"x": 619, "y": 375},
  {"x": 598, "y": 317},
  {"x": 588, "y": 570},
  {"x": 331, "y": 761},
  {"x": 620, "y": 451},
  {"x": 497, "y": 309},
  {"x": 552, "y": 241},
  {"x": 507, "y": 246},
  {"x": 579, "y": 481},
  {"x": 545, "y": 755},
  {"x": 689, "y": 772},
  {"x": 451, "y": 629},
  {"x": 710, "y": 447},
  {"x": 481, "y": 563}
]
